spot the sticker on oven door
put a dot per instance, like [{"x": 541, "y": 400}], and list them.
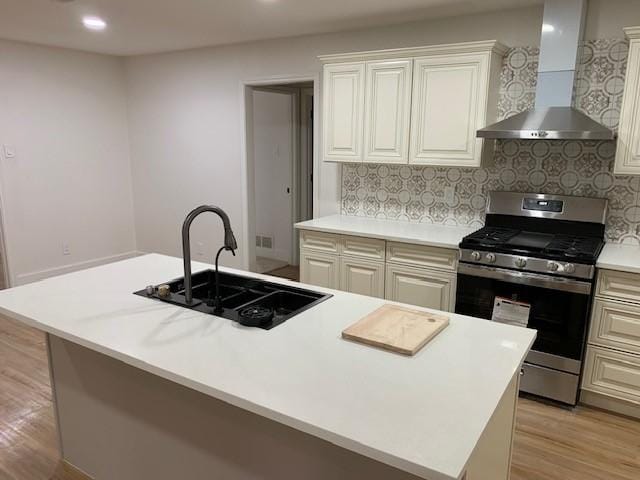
[{"x": 509, "y": 311}]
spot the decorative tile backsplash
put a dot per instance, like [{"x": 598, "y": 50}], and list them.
[{"x": 417, "y": 193}]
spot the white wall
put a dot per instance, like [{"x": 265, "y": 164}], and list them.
[
  {"x": 65, "y": 114},
  {"x": 185, "y": 115},
  {"x": 273, "y": 147},
  {"x": 605, "y": 18}
]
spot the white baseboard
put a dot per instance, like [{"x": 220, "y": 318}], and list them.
[{"x": 31, "y": 277}]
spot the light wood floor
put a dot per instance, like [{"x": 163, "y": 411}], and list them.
[
  {"x": 292, "y": 272},
  {"x": 551, "y": 443}
]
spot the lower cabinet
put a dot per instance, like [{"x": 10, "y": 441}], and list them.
[
  {"x": 414, "y": 274},
  {"x": 361, "y": 276},
  {"x": 320, "y": 269},
  {"x": 611, "y": 377},
  {"x": 421, "y": 287}
]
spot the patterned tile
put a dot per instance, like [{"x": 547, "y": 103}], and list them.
[{"x": 416, "y": 193}]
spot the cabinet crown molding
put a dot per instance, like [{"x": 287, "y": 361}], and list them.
[
  {"x": 632, "y": 32},
  {"x": 491, "y": 46}
]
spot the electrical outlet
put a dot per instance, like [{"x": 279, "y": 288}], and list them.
[
  {"x": 9, "y": 151},
  {"x": 449, "y": 194},
  {"x": 66, "y": 249},
  {"x": 200, "y": 249}
]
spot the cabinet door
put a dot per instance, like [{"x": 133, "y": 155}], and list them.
[
  {"x": 448, "y": 106},
  {"x": 362, "y": 276},
  {"x": 416, "y": 286},
  {"x": 343, "y": 106},
  {"x": 387, "y": 110},
  {"x": 319, "y": 269},
  {"x": 628, "y": 149}
]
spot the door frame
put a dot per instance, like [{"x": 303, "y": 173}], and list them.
[{"x": 246, "y": 153}]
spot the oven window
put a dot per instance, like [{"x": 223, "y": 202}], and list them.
[{"x": 559, "y": 317}]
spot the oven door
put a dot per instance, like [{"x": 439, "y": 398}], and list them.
[{"x": 559, "y": 309}]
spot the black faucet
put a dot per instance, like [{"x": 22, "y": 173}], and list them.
[{"x": 229, "y": 244}]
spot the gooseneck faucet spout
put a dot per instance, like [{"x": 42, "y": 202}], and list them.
[{"x": 229, "y": 244}]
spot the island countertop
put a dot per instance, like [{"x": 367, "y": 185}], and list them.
[{"x": 421, "y": 414}]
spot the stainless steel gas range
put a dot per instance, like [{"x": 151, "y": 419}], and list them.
[{"x": 533, "y": 265}]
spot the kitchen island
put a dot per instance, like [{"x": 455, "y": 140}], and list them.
[{"x": 145, "y": 389}]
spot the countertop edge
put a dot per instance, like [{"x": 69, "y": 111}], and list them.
[{"x": 389, "y": 237}]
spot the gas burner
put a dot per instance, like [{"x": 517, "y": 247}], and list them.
[{"x": 490, "y": 236}]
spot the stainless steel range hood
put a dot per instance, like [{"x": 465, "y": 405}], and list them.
[
  {"x": 549, "y": 123},
  {"x": 554, "y": 117}
]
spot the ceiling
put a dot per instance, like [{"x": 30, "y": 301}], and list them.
[{"x": 149, "y": 26}]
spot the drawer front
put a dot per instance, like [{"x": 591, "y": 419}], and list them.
[
  {"x": 320, "y": 241},
  {"x": 619, "y": 285},
  {"x": 616, "y": 325},
  {"x": 369, "y": 248},
  {"x": 422, "y": 256},
  {"x": 612, "y": 373}
]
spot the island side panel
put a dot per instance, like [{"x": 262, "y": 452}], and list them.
[
  {"x": 117, "y": 421},
  {"x": 492, "y": 457}
]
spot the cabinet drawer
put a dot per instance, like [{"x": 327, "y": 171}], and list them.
[
  {"x": 619, "y": 285},
  {"x": 422, "y": 256},
  {"x": 362, "y": 276},
  {"x": 369, "y": 248},
  {"x": 320, "y": 241},
  {"x": 612, "y": 373},
  {"x": 616, "y": 325}
]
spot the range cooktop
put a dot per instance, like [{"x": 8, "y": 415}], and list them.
[{"x": 563, "y": 247}]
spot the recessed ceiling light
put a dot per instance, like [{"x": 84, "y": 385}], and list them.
[
  {"x": 547, "y": 27},
  {"x": 94, "y": 23}
]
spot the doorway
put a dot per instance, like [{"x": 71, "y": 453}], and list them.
[{"x": 280, "y": 167}]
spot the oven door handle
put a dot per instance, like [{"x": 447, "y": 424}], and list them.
[{"x": 533, "y": 279}]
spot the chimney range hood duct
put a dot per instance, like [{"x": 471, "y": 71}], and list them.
[{"x": 553, "y": 117}]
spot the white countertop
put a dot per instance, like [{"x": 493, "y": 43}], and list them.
[
  {"x": 624, "y": 258},
  {"x": 419, "y": 233},
  {"x": 422, "y": 414}
]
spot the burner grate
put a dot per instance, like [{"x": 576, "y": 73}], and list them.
[
  {"x": 490, "y": 236},
  {"x": 574, "y": 247}
]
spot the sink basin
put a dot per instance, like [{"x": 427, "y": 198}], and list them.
[{"x": 239, "y": 293}]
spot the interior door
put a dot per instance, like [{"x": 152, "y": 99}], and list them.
[{"x": 274, "y": 153}]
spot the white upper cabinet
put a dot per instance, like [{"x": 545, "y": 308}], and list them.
[
  {"x": 628, "y": 150},
  {"x": 417, "y": 105},
  {"x": 343, "y": 106},
  {"x": 387, "y": 109},
  {"x": 449, "y": 96}
]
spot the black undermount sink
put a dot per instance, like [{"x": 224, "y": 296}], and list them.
[{"x": 246, "y": 300}]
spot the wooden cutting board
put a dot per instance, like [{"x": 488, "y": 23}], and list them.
[{"x": 399, "y": 329}]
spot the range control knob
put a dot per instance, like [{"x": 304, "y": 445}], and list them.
[
  {"x": 491, "y": 257},
  {"x": 521, "y": 262},
  {"x": 569, "y": 268},
  {"x": 553, "y": 266},
  {"x": 475, "y": 256}
]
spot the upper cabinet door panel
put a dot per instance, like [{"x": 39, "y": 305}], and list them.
[
  {"x": 343, "y": 107},
  {"x": 628, "y": 149},
  {"x": 387, "y": 111},
  {"x": 449, "y": 105}
]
